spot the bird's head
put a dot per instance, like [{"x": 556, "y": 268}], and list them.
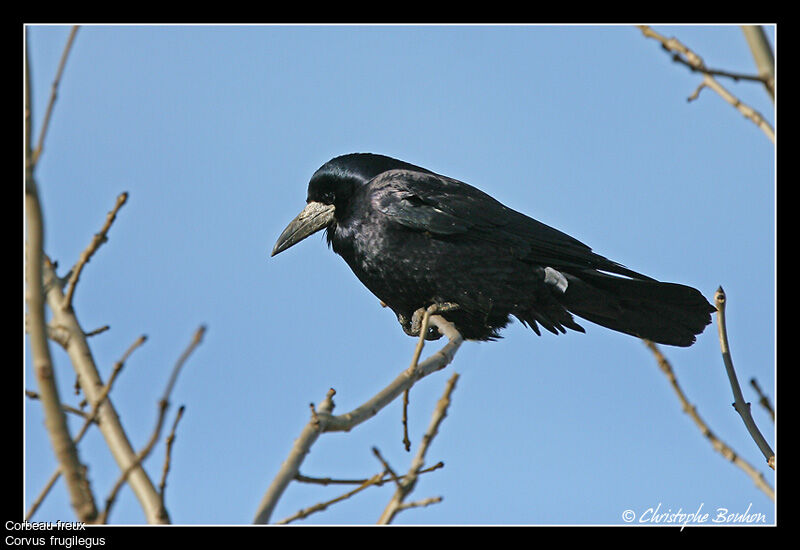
[{"x": 329, "y": 193}]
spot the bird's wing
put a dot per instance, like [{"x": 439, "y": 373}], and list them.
[{"x": 447, "y": 207}]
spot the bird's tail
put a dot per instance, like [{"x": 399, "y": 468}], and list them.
[{"x": 666, "y": 313}]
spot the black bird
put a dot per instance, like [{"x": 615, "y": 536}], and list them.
[{"x": 416, "y": 238}]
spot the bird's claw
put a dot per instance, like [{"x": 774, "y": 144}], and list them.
[{"x": 413, "y": 326}]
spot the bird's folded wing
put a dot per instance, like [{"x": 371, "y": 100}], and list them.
[{"x": 448, "y": 207}]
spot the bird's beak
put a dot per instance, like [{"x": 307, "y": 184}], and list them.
[{"x": 315, "y": 216}]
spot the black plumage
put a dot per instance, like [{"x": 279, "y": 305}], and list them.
[{"x": 416, "y": 238}]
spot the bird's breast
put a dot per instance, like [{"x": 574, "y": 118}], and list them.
[{"x": 396, "y": 266}]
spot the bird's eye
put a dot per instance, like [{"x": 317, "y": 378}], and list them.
[{"x": 328, "y": 197}]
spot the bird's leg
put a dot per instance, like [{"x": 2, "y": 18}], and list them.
[{"x": 413, "y": 326}]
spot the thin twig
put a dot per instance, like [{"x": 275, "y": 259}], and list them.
[
  {"x": 92, "y": 386},
  {"x": 419, "y": 503},
  {"x": 67, "y": 408},
  {"x": 405, "y": 487},
  {"x": 739, "y": 403},
  {"x": 53, "y": 95},
  {"x": 29, "y": 164},
  {"x": 423, "y": 331},
  {"x": 762, "y": 54},
  {"x": 66, "y": 453},
  {"x": 763, "y": 399},
  {"x": 168, "y": 453},
  {"x": 333, "y": 481},
  {"x": 63, "y": 445},
  {"x": 406, "y": 440},
  {"x": 746, "y": 111},
  {"x": 197, "y": 338},
  {"x": 163, "y": 405},
  {"x": 109, "y": 384},
  {"x": 699, "y": 68},
  {"x": 374, "y": 480},
  {"x": 89, "y": 419},
  {"x": 405, "y": 379},
  {"x": 78, "y": 349},
  {"x": 86, "y": 255},
  {"x": 720, "y": 446},
  {"x": 386, "y": 467},
  {"x": 97, "y": 331},
  {"x": 291, "y": 466},
  {"x": 689, "y": 58},
  {"x": 323, "y": 421}
]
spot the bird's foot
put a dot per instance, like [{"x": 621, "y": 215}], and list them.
[{"x": 413, "y": 326}]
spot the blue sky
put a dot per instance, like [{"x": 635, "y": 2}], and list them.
[{"x": 214, "y": 133}]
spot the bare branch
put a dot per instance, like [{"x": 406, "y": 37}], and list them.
[
  {"x": 89, "y": 418},
  {"x": 763, "y": 399},
  {"x": 405, "y": 486},
  {"x": 423, "y": 331},
  {"x": 696, "y": 64},
  {"x": 762, "y": 54},
  {"x": 81, "y": 498},
  {"x": 163, "y": 405},
  {"x": 747, "y": 111},
  {"x": 109, "y": 424},
  {"x": 197, "y": 338},
  {"x": 374, "y": 480},
  {"x": 687, "y": 57},
  {"x": 291, "y": 465},
  {"x": 168, "y": 453},
  {"x": 331, "y": 481},
  {"x": 97, "y": 331},
  {"x": 386, "y": 467},
  {"x": 323, "y": 421},
  {"x": 53, "y": 95},
  {"x": 29, "y": 164},
  {"x": 406, "y": 379},
  {"x": 86, "y": 255},
  {"x": 110, "y": 383},
  {"x": 739, "y": 403},
  {"x": 67, "y": 408},
  {"x": 419, "y": 503},
  {"x": 404, "y": 420},
  {"x": 720, "y": 446}
]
